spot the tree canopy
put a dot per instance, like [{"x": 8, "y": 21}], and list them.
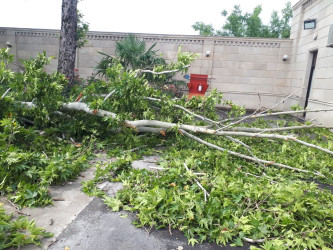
[{"x": 239, "y": 24}]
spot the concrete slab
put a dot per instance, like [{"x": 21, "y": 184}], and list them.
[
  {"x": 69, "y": 201},
  {"x": 147, "y": 162}
]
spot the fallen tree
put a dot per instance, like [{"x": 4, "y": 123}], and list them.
[{"x": 127, "y": 105}]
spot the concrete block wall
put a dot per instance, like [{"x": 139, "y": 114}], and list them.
[
  {"x": 241, "y": 68},
  {"x": 245, "y": 68}
]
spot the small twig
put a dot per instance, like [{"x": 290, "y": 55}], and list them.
[
  {"x": 259, "y": 176},
  {"x": 58, "y": 199},
  {"x": 135, "y": 149},
  {"x": 79, "y": 97},
  {"x": 248, "y": 148},
  {"x": 3, "y": 96},
  {"x": 52, "y": 242},
  {"x": 45, "y": 155},
  {"x": 110, "y": 94},
  {"x": 18, "y": 210},
  {"x": 26, "y": 120},
  {"x": 198, "y": 183}
]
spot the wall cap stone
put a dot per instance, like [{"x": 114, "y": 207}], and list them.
[{"x": 158, "y": 38}]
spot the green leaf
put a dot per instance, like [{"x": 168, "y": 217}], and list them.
[
  {"x": 192, "y": 242},
  {"x": 114, "y": 203}
]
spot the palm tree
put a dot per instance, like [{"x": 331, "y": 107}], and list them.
[{"x": 132, "y": 53}]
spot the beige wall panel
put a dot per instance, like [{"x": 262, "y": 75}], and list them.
[
  {"x": 323, "y": 83},
  {"x": 321, "y": 95}
]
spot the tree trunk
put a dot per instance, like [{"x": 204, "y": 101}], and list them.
[{"x": 67, "y": 45}]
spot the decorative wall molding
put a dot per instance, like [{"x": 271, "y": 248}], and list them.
[
  {"x": 147, "y": 39},
  {"x": 37, "y": 34},
  {"x": 104, "y": 37},
  {"x": 248, "y": 44},
  {"x": 175, "y": 41},
  {"x": 308, "y": 3}
]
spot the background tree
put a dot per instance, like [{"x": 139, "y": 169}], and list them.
[
  {"x": 204, "y": 29},
  {"x": 253, "y": 23},
  {"x": 287, "y": 15},
  {"x": 81, "y": 31},
  {"x": 241, "y": 24},
  {"x": 234, "y": 25}
]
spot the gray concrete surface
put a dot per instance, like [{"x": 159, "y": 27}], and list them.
[{"x": 98, "y": 228}]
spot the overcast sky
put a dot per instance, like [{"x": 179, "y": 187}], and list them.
[{"x": 139, "y": 16}]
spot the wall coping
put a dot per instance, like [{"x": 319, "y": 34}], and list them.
[{"x": 161, "y": 38}]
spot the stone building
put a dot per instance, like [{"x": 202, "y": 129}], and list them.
[
  {"x": 240, "y": 68},
  {"x": 311, "y": 64}
]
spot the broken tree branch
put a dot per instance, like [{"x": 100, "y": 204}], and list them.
[
  {"x": 267, "y": 163},
  {"x": 80, "y": 106},
  {"x": 259, "y": 130},
  {"x": 186, "y": 110},
  {"x": 279, "y": 113},
  {"x": 160, "y": 73},
  {"x": 277, "y": 104},
  {"x": 150, "y": 123}
]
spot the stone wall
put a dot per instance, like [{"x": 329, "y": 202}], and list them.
[{"x": 239, "y": 67}]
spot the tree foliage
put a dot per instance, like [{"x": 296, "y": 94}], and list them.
[
  {"x": 239, "y": 24},
  {"x": 224, "y": 181}
]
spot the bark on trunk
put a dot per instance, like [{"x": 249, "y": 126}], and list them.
[{"x": 67, "y": 45}]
